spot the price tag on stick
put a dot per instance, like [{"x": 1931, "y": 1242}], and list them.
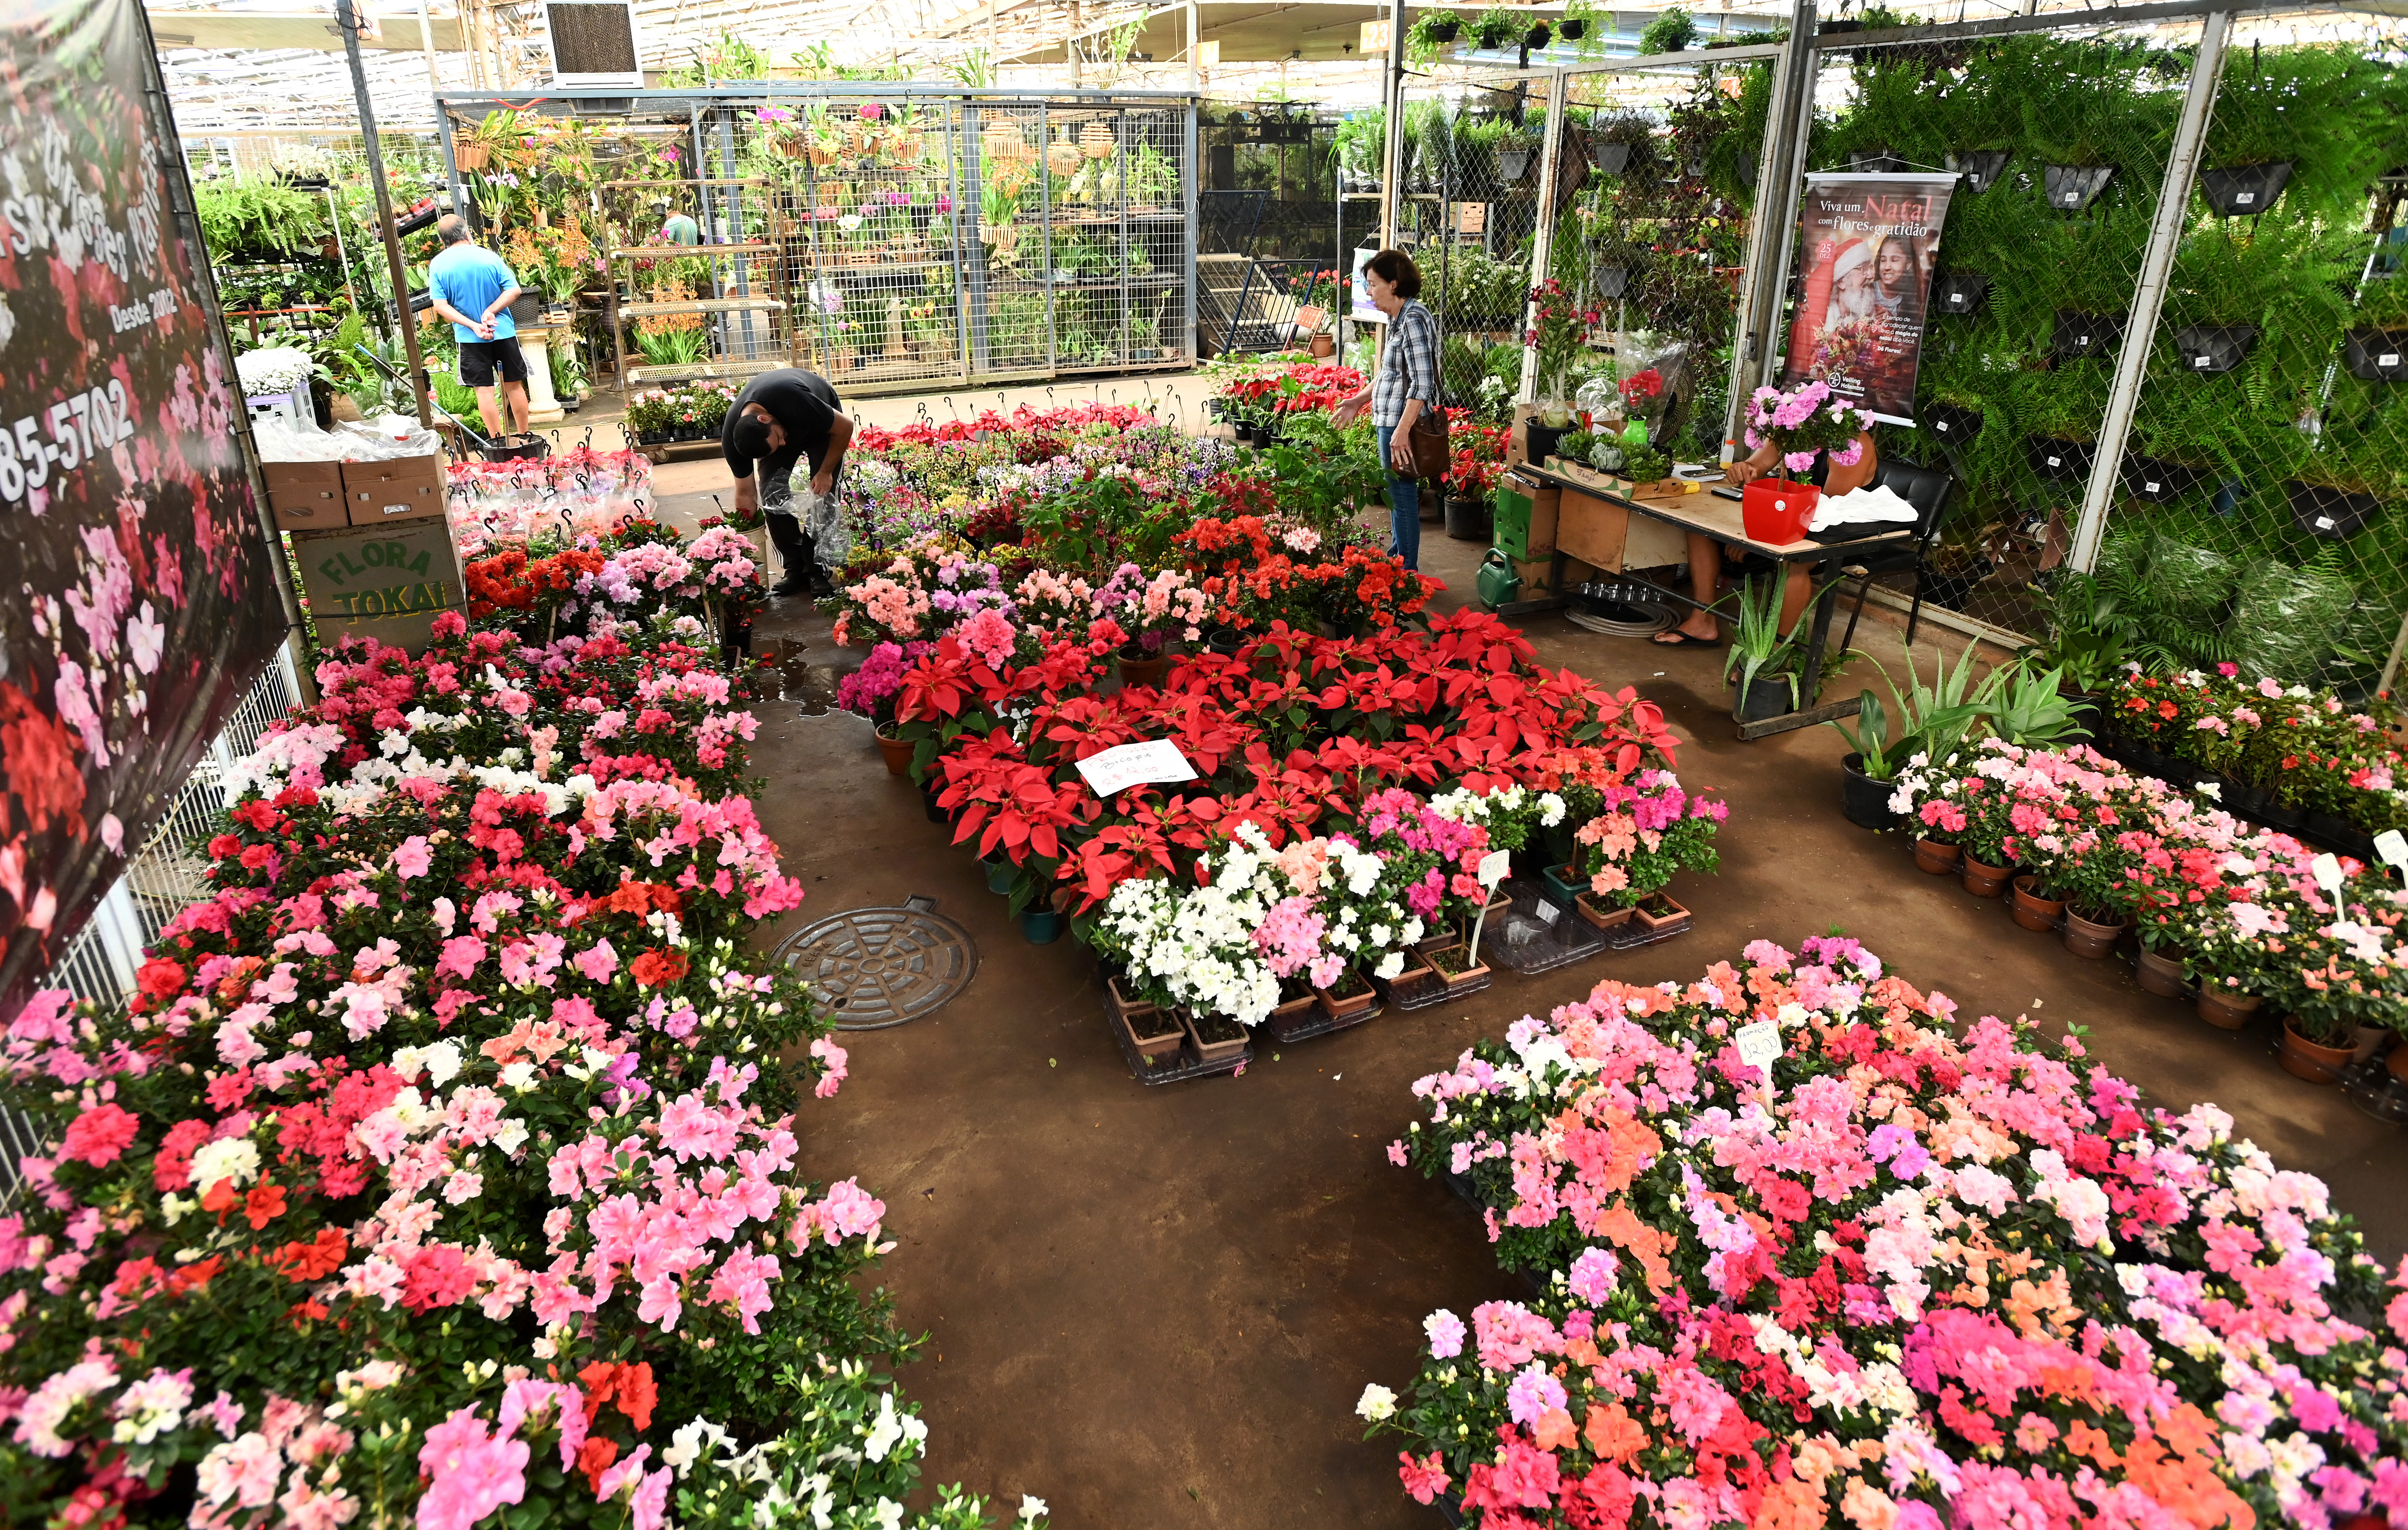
[
  {"x": 1493, "y": 867},
  {"x": 2327, "y": 871},
  {"x": 2393, "y": 847},
  {"x": 1759, "y": 1042}
]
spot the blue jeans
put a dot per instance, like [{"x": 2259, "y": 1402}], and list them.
[{"x": 1404, "y": 506}]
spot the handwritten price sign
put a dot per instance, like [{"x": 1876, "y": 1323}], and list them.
[{"x": 1130, "y": 764}]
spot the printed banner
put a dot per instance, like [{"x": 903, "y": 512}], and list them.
[
  {"x": 1865, "y": 247},
  {"x": 142, "y": 604}
]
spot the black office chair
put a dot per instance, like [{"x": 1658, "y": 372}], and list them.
[{"x": 1928, "y": 489}]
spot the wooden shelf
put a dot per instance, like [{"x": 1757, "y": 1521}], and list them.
[
  {"x": 695, "y": 371},
  {"x": 701, "y": 305}
]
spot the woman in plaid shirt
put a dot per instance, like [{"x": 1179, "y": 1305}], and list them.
[{"x": 1406, "y": 385}]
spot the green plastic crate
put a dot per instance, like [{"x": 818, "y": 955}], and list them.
[{"x": 1513, "y": 522}]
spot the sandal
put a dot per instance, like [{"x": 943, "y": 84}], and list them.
[{"x": 1675, "y": 637}]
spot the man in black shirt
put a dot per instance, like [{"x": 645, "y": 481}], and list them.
[{"x": 782, "y": 416}]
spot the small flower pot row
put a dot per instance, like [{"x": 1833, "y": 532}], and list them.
[{"x": 1157, "y": 1032}]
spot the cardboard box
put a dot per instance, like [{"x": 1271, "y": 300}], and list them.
[
  {"x": 401, "y": 488},
  {"x": 1534, "y": 573},
  {"x": 1526, "y": 518},
  {"x": 306, "y": 495},
  {"x": 385, "y": 582},
  {"x": 1593, "y": 529}
]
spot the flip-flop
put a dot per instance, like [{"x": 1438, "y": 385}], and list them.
[{"x": 1682, "y": 639}]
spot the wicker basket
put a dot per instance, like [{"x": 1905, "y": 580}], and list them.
[
  {"x": 1003, "y": 144},
  {"x": 1097, "y": 142},
  {"x": 1062, "y": 158}
]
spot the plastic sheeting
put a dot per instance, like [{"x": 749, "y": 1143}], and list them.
[{"x": 2284, "y": 620}]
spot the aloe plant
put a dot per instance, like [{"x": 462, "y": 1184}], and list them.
[
  {"x": 2028, "y": 708},
  {"x": 1876, "y": 753},
  {"x": 1934, "y": 719}
]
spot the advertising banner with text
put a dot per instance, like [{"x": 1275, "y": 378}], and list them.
[
  {"x": 143, "y": 606},
  {"x": 1867, "y": 244}
]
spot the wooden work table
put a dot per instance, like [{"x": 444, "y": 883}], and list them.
[{"x": 1595, "y": 524}]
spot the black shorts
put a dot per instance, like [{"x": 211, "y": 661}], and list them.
[{"x": 478, "y": 359}]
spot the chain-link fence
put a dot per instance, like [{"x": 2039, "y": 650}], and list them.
[
  {"x": 889, "y": 238},
  {"x": 2258, "y": 518},
  {"x": 2062, "y": 143}
]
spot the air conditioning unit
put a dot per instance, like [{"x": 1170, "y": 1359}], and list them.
[{"x": 593, "y": 43}]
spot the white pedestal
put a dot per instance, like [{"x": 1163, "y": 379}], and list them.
[{"x": 543, "y": 408}]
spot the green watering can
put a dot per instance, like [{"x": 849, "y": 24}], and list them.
[{"x": 1498, "y": 582}]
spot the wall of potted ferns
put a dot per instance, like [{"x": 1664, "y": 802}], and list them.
[
  {"x": 1737, "y": 1263},
  {"x": 2082, "y": 844},
  {"x": 380, "y": 1194}
]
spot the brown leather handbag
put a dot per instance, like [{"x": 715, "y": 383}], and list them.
[{"x": 1428, "y": 442}]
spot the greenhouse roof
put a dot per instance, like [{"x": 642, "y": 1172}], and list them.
[{"x": 251, "y": 68}]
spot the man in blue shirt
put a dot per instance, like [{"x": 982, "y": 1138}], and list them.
[{"x": 468, "y": 279}]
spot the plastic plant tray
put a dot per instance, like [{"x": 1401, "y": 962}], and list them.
[
  {"x": 1525, "y": 940},
  {"x": 1176, "y": 1070},
  {"x": 1321, "y": 1024}
]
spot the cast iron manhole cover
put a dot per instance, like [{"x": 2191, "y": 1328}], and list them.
[{"x": 877, "y": 968}]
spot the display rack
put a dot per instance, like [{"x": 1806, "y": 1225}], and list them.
[{"x": 739, "y": 349}]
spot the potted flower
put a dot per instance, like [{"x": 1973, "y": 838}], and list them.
[
  {"x": 1613, "y": 141},
  {"x": 1648, "y": 830}
]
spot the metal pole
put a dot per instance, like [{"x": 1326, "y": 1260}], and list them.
[
  {"x": 427, "y": 40},
  {"x": 1542, "y": 237},
  {"x": 2165, "y": 233},
  {"x": 347, "y": 22},
  {"x": 1194, "y": 48},
  {"x": 1394, "y": 148},
  {"x": 1770, "y": 243}
]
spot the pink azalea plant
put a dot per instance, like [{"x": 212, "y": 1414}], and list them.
[
  {"x": 1805, "y": 423},
  {"x": 445, "y": 1161},
  {"x": 1913, "y": 1276}
]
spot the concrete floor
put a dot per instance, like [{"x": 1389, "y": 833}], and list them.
[{"x": 1157, "y": 1306}]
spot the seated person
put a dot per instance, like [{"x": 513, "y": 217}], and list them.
[{"x": 1706, "y": 554}]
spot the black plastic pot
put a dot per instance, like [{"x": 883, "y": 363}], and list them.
[
  {"x": 2244, "y": 189},
  {"x": 1953, "y": 424},
  {"x": 526, "y": 310},
  {"x": 1864, "y": 800},
  {"x": 2282, "y": 817},
  {"x": 1536, "y": 38},
  {"x": 2210, "y": 348},
  {"x": 1609, "y": 158},
  {"x": 1572, "y": 29},
  {"x": 1543, "y": 438},
  {"x": 1445, "y": 32},
  {"x": 1959, "y": 292},
  {"x": 1512, "y": 164},
  {"x": 1766, "y": 696},
  {"x": 1610, "y": 281},
  {"x": 1876, "y": 162},
  {"x": 1225, "y": 641},
  {"x": 1981, "y": 167},
  {"x": 2071, "y": 188},
  {"x": 1466, "y": 520},
  {"x": 1949, "y": 591},
  {"x": 2376, "y": 355},
  {"x": 2059, "y": 461},
  {"x": 928, "y": 805},
  {"x": 2079, "y": 336},
  {"x": 2331, "y": 514},
  {"x": 2157, "y": 481}
]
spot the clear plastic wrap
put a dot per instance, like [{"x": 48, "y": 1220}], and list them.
[
  {"x": 2285, "y": 620},
  {"x": 2191, "y": 582}
]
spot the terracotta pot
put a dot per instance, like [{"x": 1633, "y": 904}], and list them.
[
  {"x": 2224, "y": 1011},
  {"x": 1353, "y": 1003},
  {"x": 898, "y": 751},
  {"x": 2031, "y": 911},
  {"x": 1418, "y": 980},
  {"x": 1936, "y": 859},
  {"x": 1667, "y": 912},
  {"x": 1466, "y": 979},
  {"x": 1154, "y": 1032},
  {"x": 2162, "y": 976},
  {"x": 2398, "y": 1063},
  {"x": 1324, "y": 346},
  {"x": 1223, "y": 1046},
  {"x": 1986, "y": 882},
  {"x": 1593, "y": 909},
  {"x": 1142, "y": 671},
  {"x": 2370, "y": 1040},
  {"x": 2090, "y": 938},
  {"x": 2304, "y": 1059}
]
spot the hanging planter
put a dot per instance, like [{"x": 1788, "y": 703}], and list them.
[
  {"x": 1512, "y": 164},
  {"x": 2079, "y": 336},
  {"x": 2060, "y": 461},
  {"x": 1959, "y": 292},
  {"x": 2245, "y": 190},
  {"x": 2157, "y": 480},
  {"x": 1443, "y": 33},
  {"x": 1610, "y": 281},
  {"x": 1572, "y": 29},
  {"x": 1876, "y": 162},
  {"x": 1608, "y": 159},
  {"x": 1098, "y": 142},
  {"x": 1536, "y": 38},
  {"x": 1001, "y": 143},
  {"x": 1063, "y": 158},
  {"x": 2211, "y": 349},
  {"x": 2376, "y": 355},
  {"x": 2071, "y": 188},
  {"x": 1981, "y": 167},
  {"x": 1953, "y": 424},
  {"x": 2330, "y": 513}
]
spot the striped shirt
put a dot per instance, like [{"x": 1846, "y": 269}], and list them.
[{"x": 1409, "y": 368}]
